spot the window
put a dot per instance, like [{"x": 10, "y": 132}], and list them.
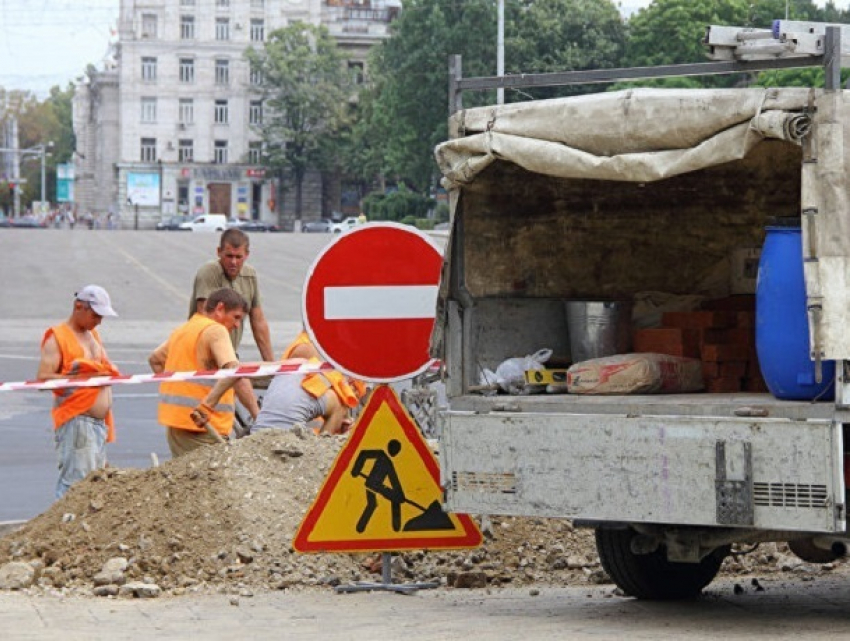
[
  {"x": 258, "y": 30},
  {"x": 220, "y": 151},
  {"x": 222, "y": 29},
  {"x": 187, "y": 27},
  {"x": 187, "y": 111},
  {"x": 222, "y": 4},
  {"x": 355, "y": 70},
  {"x": 148, "y": 25},
  {"x": 187, "y": 70},
  {"x": 185, "y": 151},
  {"x": 148, "y": 150},
  {"x": 222, "y": 72},
  {"x": 187, "y": 3},
  {"x": 257, "y": 4},
  {"x": 220, "y": 117},
  {"x": 255, "y": 77},
  {"x": 255, "y": 112},
  {"x": 148, "y": 109},
  {"x": 149, "y": 69},
  {"x": 255, "y": 152}
]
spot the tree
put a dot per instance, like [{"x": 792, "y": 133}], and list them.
[
  {"x": 407, "y": 105},
  {"x": 563, "y": 35},
  {"x": 305, "y": 89},
  {"x": 670, "y": 32}
]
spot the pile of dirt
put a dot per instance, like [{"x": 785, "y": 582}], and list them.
[{"x": 223, "y": 519}]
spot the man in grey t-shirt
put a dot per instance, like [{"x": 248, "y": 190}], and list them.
[{"x": 231, "y": 271}]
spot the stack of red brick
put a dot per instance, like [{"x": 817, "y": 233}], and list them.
[{"x": 722, "y": 335}]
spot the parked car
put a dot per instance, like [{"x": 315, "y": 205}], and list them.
[
  {"x": 206, "y": 222},
  {"x": 321, "y": 226},
  {"x": 349, "y": 223},
  {"x": 27, "y": 222},
  {"x": 173, "y": 223},
  {"x": 5, "y": 221},
  {"x": 251, "y": 225}
]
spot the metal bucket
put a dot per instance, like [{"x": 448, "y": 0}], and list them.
[{"x": 599, "y": 328}]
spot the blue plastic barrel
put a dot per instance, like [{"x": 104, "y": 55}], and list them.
[{"x": 782, "y": 324}]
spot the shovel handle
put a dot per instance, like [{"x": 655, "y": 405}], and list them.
[{"x": 206, "y": 424}]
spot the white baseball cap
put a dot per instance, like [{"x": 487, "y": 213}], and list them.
[{"x": 97, "y": 298}]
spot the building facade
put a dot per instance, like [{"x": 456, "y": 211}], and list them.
[{"x": 170, "y": 127}]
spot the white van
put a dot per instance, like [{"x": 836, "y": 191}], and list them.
[{"x": 206, "y": 222}]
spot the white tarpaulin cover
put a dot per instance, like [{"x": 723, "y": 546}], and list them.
[{"x": 644, "y": 135}]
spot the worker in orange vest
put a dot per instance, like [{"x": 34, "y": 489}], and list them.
[
  {"x": 82, "y": 416},
  {"x": 303, "y": 398},
  {"x": 201, "y": 343}
]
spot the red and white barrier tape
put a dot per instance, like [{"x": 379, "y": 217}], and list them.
[{"x": 245, "y": 371}]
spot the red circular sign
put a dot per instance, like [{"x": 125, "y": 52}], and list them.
[{"x": 369, "y": 301}]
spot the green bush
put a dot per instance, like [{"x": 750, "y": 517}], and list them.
[{"x": 398, "y": 206}]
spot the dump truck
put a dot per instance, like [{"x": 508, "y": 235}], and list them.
[{"x": 607, "y": 196}]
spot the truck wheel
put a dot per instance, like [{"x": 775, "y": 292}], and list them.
[{"x": 652, "y": 576}]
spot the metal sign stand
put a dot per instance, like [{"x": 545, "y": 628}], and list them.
[{"x": 386, "y": 581}]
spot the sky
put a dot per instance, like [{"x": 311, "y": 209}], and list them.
[{"x": 49, "y": 42}]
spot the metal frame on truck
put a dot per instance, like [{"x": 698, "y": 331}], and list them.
[{"x": 668, "y": 482}]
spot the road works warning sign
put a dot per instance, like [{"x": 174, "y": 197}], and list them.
[{"x": 383, "y": 491}]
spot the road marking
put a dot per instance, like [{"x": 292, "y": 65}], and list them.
[
  {"x": 390, "y": 302},
  {"x": 179, "y": 294}
]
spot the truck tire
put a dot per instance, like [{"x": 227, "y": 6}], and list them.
[{"x": 652, "y": 576}]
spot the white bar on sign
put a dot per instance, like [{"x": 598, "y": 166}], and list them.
[{"x": 380, "y": 302}]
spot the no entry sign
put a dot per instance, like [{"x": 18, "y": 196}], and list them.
[{"x": 369, "y": 301}]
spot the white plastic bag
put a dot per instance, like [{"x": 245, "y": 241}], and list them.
[{"x": 510, "y": 374}]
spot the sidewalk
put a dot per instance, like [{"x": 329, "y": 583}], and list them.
[{"x": 784, "y": 609}]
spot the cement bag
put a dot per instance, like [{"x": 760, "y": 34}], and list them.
[{"x": 635, "y": 374}]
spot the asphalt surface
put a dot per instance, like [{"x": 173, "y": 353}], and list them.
[
  {"x": 783, "y": 610},
  {"x": 149, "y": 277}
]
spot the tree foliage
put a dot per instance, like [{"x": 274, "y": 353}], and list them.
[
  {"x": 407, "y": 105},
  {"x": 305, "y": 90}
]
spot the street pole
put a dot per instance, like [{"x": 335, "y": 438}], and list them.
[
  {"x": 43, "y": 156},
  {"x": 500, "y": 51}
]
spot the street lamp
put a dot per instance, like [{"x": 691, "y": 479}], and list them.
[{"x": 40, "y": 150}]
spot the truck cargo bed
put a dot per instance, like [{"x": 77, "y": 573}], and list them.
[{"x": 701, "y": 404}]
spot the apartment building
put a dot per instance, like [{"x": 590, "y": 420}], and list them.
[{"x": 169, "y": 127}]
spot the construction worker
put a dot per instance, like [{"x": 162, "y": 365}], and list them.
[
  {"x": 298, "y": 399},
  {"x": 202, "y": 343},
  {"x": 230, "y": 270},
  {"x": 82, "y": 417}
]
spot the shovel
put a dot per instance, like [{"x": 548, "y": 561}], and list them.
[
  {"x": 199, "y": 417},
  {"x": 432, "y": 517}
]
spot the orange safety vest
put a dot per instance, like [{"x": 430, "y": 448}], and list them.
[
  {"x": 177, "y": 399},
  {"x": 349, "y": 392},
  {"x": 71, "y": 402},
  {"x": 302, "y": 339},
  {"x": 317, "y": 384}
]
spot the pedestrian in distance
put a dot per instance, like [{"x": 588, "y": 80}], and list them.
[
  {"x": 230, "y": 270},
  {"x": 201, "y": 343},
  {"x": 82, "y": 416}
]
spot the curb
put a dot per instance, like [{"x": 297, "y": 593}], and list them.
[{"x": 7, "y": 527}]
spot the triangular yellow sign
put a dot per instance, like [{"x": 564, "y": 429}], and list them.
[{"x": 383, "y": 491}]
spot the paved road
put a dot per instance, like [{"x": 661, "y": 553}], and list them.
[
  {"x": 148, "y": 275},
  {"x": 784, "y": 610}
]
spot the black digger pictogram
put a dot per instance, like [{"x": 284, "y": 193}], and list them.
[{"x": 383, "y": 480}]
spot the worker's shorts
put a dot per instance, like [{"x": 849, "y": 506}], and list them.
[{"x": 81, "y": 448}]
